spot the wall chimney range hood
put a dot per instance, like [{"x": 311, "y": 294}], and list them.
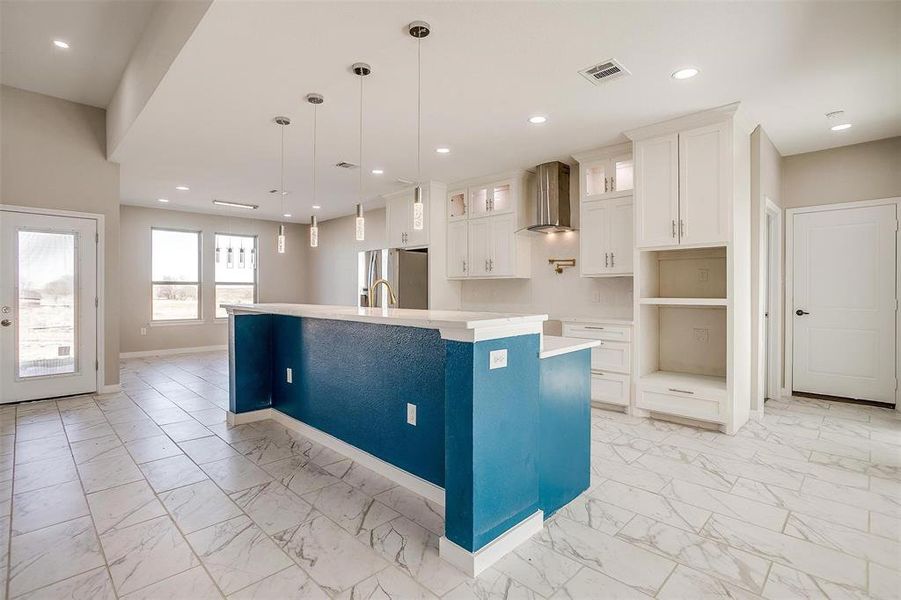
[{"x": 552, "y": 211}]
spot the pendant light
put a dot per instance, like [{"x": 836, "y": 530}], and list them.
[
  {"x": 315, "y": 100},
  {"x": 361, "y": 70},
  {"x": 419, "y": 30},
  {"x": 282, "y": 122}
]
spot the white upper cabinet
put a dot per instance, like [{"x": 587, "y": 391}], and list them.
[
  {"x": 621, "y": 243},
  {"x": 606, "y": 237},
  {"x": 399, "y": 219},
  {"x": 608, "y": 177},
  {"x": 457, "y": 249},
  {"x": 683, "y": 187},
  {"x": 657, "y": 191},
  {"x": 704, "y": 184},
  {"x": 485, "y": 219}
]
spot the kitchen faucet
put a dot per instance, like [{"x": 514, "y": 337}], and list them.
[{"x": 392, "y": 299}]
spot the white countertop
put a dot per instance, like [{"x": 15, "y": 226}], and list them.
[
  {"x": 610, "y": 320},
  {"x": 553, "y": 345},
  {"x": 453, "y": 323}
]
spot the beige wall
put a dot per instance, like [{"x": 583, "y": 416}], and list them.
[
  {"x": 332, "y": 272},
  {"x": 766, "y": 182},
  {"x": 280, "y": 277},
  {"x": 53, "y": 155},
  {"x": 865, "y": 171}
]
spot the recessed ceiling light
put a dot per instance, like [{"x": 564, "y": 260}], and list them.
[
  {"x": 287, "y": 215},
  {"x": 686, "y": 73},
  {"x": 182, "y": 188},
  {"x": 442, "y": 150},
  {"x": 235, "y": 204},
  {"x": 377, "y": 171},
  {"x": 162, "y": 199},
  {"x": 61, "y": 44},
  {"x": 841, "y": 127},
  {"x": 316, "y": 207},
  {"x": 537, "y": 120}
]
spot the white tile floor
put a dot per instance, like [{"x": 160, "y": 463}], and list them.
[{"x": 147, "y": 494}]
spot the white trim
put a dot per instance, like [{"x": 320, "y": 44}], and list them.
[
  {"x": 168, "y": 351},
  {"x": 788, "y": 303},
  {"x": 769, "y": 291},
  {"x": 491, "y": 333},
  {"x": 235, "y": 419},
  {"x": 473, "y": 563},
  {"x": 110, "y": 389},
  {"x": 406, "y": 479},
  {"x": 100, "y": 291},
  {"x": 689, "y": 121}
]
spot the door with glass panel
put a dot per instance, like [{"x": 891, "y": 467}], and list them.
[
  {"x": 236, "y": 271},
  {"x": 48, "y": 306}
]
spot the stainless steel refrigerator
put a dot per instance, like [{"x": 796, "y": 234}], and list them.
[{"x": 407, "y": 272}]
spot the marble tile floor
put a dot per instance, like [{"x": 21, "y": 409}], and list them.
[{"x": 147, "y": 494}]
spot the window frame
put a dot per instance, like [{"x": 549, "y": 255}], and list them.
[
  {"x": 198, "y": 283},
  {"x": 256, "y": 270}
]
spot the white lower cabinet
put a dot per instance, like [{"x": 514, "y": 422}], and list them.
[{"x": 611, "y": 362}]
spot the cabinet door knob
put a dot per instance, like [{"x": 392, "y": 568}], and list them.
[{"x": 801, "y": 313}]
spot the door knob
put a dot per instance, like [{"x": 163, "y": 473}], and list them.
[
  {"x": 6, "y": 322},
  {"x": 800, "y": 312}
]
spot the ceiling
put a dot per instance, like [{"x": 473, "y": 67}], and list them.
[
  {"x": 487, "y": 67},
  {"x": 101, "y": 35}
]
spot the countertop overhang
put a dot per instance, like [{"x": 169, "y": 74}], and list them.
[
  {"x": 467, "y": 326},
  {"x": 553, "y": 345}
]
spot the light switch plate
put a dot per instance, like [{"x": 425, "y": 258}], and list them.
[
  {"x": 289, "y": 375},
  {"x": 497, "y": 359},
  {"x": 411, "y": 414}
]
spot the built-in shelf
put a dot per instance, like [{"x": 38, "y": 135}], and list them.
[
  {"x": 684, "y": 301},
  {"x": 675, "y": 381}
]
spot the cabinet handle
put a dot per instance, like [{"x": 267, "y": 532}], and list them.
[
  {"x": 674, "y": 228},
  {"x": 681, "y": 228},
  {"x": 486, "y": 265},
  {"x": 612, "y": 184},
  {"x": 606, "y": 260},
  {"x": 612, "y": 260},
  {"x": 680, "y": 391},
  {"x": 606, "y": 186},
  {"x": 464, "y": 265},
  {"x": 592, "y": 327},
  {"x": 486, "y": 204},
  {"x": 491, "y": 264}
]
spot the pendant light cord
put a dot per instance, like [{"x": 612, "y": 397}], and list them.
[
  {"x": 361, "y": 139},
  {"x": 314, "y": 153},
  {"x": 282, "y": 184},
  {"x": 419, "y": 110}
]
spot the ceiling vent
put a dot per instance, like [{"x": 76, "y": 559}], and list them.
[
  {"x": 604, "y": 72},
  {"x": 346, "y": 165}
]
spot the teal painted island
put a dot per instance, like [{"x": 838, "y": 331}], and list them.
[{"x": 478, "y": 412}]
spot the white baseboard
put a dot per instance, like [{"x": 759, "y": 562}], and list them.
[
  {"x": 473, "y": 563},
  {"x": 403, "y": 478},
  {"x": 109, "y": 389},
  {"x": 168, "y": 351}
]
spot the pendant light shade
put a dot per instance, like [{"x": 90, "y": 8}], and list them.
[
  {"x": 419, "y": 30},
  {"x": 361, "y": 70},
  {"x": 314, "y": 232},
  {"x": 361, "y": 224},
  {"x": 282, "y": 122},
  {"x": 315, "y": 100}
]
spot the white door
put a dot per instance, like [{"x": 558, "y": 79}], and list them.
[
  {"x": 657, "y": 191},
  {"x": 621, "y": 231},
  {"x": 457, "y": 249},
  {"x": 502, "y": 254},
  {"x": 843, "y": 305},
  {"x": 479, "y": 248},
  {"x": 48, "y": 291},
  {"x": 704, "y": 194},
  {"x": 398, "y": 217},
  {"x": 595, "y": 232}
]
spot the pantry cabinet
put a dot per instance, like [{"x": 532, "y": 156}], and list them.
[{"x": 399, "y": 220}]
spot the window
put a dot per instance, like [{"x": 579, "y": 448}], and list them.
[
  {"x": 175, "y": 274},
  {"x": 236, "y": 269}
]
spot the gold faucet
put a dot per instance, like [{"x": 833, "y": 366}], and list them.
[{"x": 392, "y": 299}]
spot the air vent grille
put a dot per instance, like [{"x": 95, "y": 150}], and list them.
[
  {"x": 604, "y": 72},
  {"x": 345, "y": 165}
]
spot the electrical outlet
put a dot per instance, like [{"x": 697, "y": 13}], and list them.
[
  {"x": 497, "y": 359},
  {"x": 289, "y": 375},
  {"x": 143, "y": 331},
  {"x": 702, "y": 335},
  {"x": 703, "y": 274},
  {"x": 411, "y": 414}
]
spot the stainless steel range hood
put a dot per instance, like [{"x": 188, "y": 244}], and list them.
[{"x": 552, "y": 212}]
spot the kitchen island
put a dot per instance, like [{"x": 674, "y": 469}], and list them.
[{"x": 478, "y": 412}]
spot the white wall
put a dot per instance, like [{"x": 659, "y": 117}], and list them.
[
  {"x": 280, "y": 277},
  {"x": 53, "y": 155}
]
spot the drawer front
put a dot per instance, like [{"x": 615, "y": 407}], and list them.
[
  {"x": 614, "y": 333},
  {"x": 683, "y": 405},
  {"x": 610, "y": 388},
  {"x": 612, "y": 356}
]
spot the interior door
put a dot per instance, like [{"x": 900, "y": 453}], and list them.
[
  {"x": 48, "y": 291},
  {"x": 621, "y": 232},
  {"x": 457, "y": 249},
  {"x": 843, "y": 305},
  {"x": 704, "y": 194},
  {"x": 657, "y": 191},
  {"x": 479, "y": 248}
]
